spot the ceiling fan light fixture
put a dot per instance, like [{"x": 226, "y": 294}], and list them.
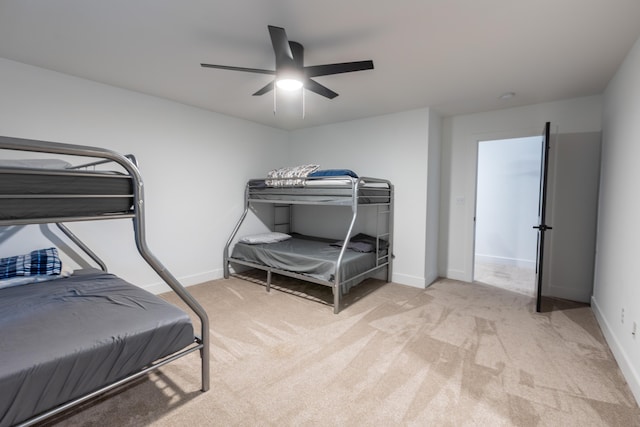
[
  {"x": 288, "y": 83},
  {"x": 291, "y": 74}
]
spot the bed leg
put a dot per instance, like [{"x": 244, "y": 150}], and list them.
[
  {"x": 268, "y": 280},
  {"x": 336, "y": 299},
  {"x": 204, "y": 359}
]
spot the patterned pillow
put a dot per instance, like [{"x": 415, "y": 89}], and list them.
[
  {"x": 41, "y": 261},
  {"x": 301, "y": 171}
]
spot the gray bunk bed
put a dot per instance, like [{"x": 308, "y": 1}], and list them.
[
  {"x": 337, "y": 264},
  {"x": 68, "y": 340}
]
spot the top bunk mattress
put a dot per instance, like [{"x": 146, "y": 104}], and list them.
[
  {"x": 67, "y": 337},
  {"x": 42, "y": 192},
  {"x": 324, "y": 190}
]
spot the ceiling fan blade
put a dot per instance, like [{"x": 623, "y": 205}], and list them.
[
  {"x": 344, "y": 67},
  {"x": 267, "y": 88},
  {"x": 248, "y": 70},
  {"x": 316, "y": 87},
  {"x": 280, "y": 42}
]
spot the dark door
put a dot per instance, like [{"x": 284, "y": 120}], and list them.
[{"x": 542, "y": 226}]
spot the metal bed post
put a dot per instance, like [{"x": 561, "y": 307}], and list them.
[
  {"x": 141, "y": 243},
  {"x": 354, "y": 210},
  {"x": 391, "y": 232},
  {"x": 225, "y": 254}
]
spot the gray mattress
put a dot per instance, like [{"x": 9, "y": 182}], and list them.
[
  {"x": 67, "y": 337},
  {"x": 42, "y": 193},
  {"x": 336, "y": 193},
  {"x": 311, "y": 256}
]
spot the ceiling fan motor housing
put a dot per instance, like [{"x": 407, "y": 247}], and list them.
[{"x": 292, "y": 68}]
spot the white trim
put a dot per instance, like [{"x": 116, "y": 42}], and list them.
[
  {"x": 405, "y": 279},
  {"x": 628, "y": 371},
  {"x": 195, "y": 279},
  {"x": 160, "y": 287}
]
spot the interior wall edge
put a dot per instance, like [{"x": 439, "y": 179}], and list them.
[
  {"x": 434, "y": 159},
  {"x": 457, "y": 275}
]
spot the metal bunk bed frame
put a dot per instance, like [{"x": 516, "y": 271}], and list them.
[
  {"x": 382, "y": 261},
  {"x": 137, "y": 215}
]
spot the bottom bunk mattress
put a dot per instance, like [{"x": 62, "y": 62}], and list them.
[
  {"x": 310, "y": 256},
  {"x": 64, "y": 338}
]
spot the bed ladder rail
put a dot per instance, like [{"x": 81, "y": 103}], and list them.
[
  {"x": 384, "y": 233},
  {"x": 282, "y": 218},
  {"x": 388, "y": 235}
]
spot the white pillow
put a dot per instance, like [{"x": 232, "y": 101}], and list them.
[
  {"x": 272, "y": 237},
  {"x": 25, "y": 280},
  {"x": 36, "y": 163}
]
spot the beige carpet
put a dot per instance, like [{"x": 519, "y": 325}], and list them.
[{"x": 456, "y": 354}]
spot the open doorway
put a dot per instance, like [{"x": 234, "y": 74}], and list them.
[{"x": 507, "y": 197}]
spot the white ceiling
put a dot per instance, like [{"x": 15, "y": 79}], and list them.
[{"x": 456, "y": 56}]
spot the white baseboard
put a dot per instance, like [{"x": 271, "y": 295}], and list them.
[
  {"x": 160, "y": 287},
  {"x": 194, "y": 279},
  {"x": 628, "y": 370},
  {"x": 406, "y": 279}
]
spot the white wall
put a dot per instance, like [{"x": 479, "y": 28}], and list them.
[
  {"x": 618, "y": 243},
  {"x": 177, "y": 145},
  {"x": 393, "y": 147},
  {"x": 194, "y": 164},
  {"x": 459, "y": 156}
]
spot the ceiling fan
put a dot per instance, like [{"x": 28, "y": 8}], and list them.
[{"x": 290, "y": 72}]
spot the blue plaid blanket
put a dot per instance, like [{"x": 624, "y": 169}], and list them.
[{"x": 42, "y": 261}]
